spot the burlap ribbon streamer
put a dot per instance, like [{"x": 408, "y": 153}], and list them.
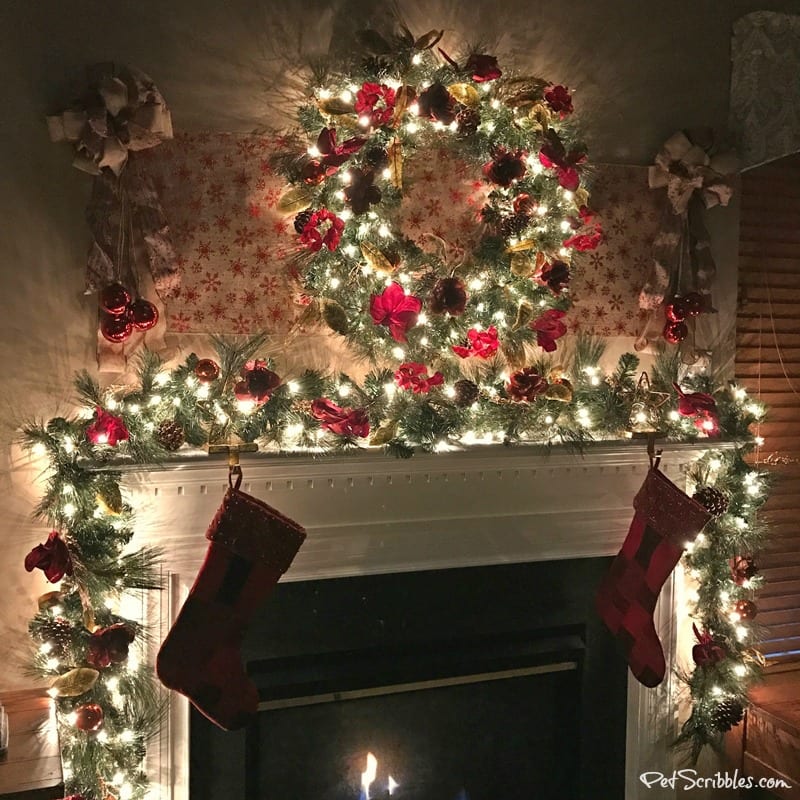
[
  {"x": 121, "y": 113},
  {"x": 695, "y": 177}
]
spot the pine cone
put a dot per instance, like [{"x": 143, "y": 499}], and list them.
[
  {"x": 726, "y": 714},
  {"x": 713, "y": 500},
  {"x": 514, "y": 225},
  {"x": 302, "y": 219},
  {"x": 466, "y": 393},
  {"x": 468, "y": 121},
  {"x": 376, "y": 157},
  {"x": 58, "y": 632},
  {"x": 170, "y": 435}
]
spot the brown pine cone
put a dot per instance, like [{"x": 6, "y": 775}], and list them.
[
  {"x": 170, "y": 435},
  {"x": 302, "y": 219},
  {"x": 712, "y": 500},
  {"x": 466, "y": 393},
  {"x": 726, "y": 714},
  {"x": 468, "y": 121},
  {"x": 514, "y": 225}
]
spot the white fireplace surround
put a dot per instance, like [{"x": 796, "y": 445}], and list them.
[{"x": 370, "y": 514}]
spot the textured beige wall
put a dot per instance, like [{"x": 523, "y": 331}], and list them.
[{"x": 641, "y": 68}]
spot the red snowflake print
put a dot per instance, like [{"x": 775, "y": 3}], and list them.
[
  {"x": 216, "y": 192},
  {"x": 241, "y": 179},
  {"x": 240, "y": 323},
  {"x": 196, "y": 267},
  {"x": 230, "y": 298},
  {"x": 199, "y": 315},
  {"x": 208, "y": 161},
  {"x": 269, "y": 283},
  {"x": 224, "y": 250},
  {"x": 190, "y": 295},
  {"x": 244, "y": 237},
  {"x": 275, "y": 313},
  {"x": 249, "y": 297},
  {"x": 179, "y": 322},
  {"x": 211, "y": 282},
  {"x": 280, "y": 226},
  {"x": 222, "y": 222},
  {"x": 456, "y": 196},
  {"x": 254, "y": 210},
  {"x": 266, "y": 167},
  {"x": 237, "y": 267},
  {"x": 204, "y": 250},
  {"x": 217, "y": 310},
  {"x": 271, "y": 197},
  {"x": 261, "y": 184},
  {"x": 615, "y": 302}
]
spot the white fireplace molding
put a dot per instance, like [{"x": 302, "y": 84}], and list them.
[{"x": 370, "y": 514}]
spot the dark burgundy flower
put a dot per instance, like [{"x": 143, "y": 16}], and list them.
[
  {"x": 323, "y": 229},
  {"x": 585, "y": 241},
  {"x": 559, "y": 99},
  {"x": 708, "y": 651},
  {"x": 549, "y": 327},
  {"x": 110, "y": 645},
  {"x": 555, "y": 275},
  {"x": 106, "y": 429},
  {"x": 376, "y": 101},
  {"x": 333, "y": 154},
  {"x": 482, "y": 344},
  {"x": 701, "y": 407},
  {"x": 396, "y": 310},
  {"x": 52, "y": 558},
  {"x": 342, "y": 421},
  {"x": 437, "y": 104},
  {"x": 361, "y": 192},
  {"x": 553, "y": 155},
  {"x": 506, "y": 167},
  {"x": 448, "y": 296},
  {"x": 257, "y": 383},
  {"x": 483, "y": 67},
  {"x": 526, "y": 385},
  {"x": 414, "y": 376}
]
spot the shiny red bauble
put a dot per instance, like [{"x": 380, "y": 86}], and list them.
[
  {"x": 746, "y": 609},
  {"x": 675, "y": 332},
  {"x": 89, "y": 718},
  {"x": 142, "y": 314},
  {"x": 114, "y": 298},
  {"x": 676, "y": 310},
  {"x": 241, "y": 390},
  {"x": 115, "y": 329},
  {"x": 206, "y": 370}
]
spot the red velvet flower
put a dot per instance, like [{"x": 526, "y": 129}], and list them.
[
  {"x": 110, "y": 645},
  {"x": 323, "y": 229},
  {"x": 414, "y": 376},
  {"x": 483, "y": 67},
  {"x": 333, "y": 154},
  {"x": 342, "y": 421},
  {"x": 585, "y": 241},
  {"x": 708, "y": 651},
  {"x": 555, "y": 275},
  {"x": 701, "y": 407},
  {"x": 395, "y": 309},
  {"x": 482, "y": 344},
  {"x": 553, "y": 155},
  {"x": 376, "y": 101},
  {"x": 559, "y": 99},
  {"x": 52, "y": 558},
  {"x": 526, "y": 385},
  {"x": 257, "y": 383},
  {"x": 437, "y": 104},
  {"x": 106, "y": 429},
  {"x": 549, "y": 327},
  {"x": 505, "y": 167}
]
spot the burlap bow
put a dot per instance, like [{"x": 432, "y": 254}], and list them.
[{"x": 121, "y": 113}]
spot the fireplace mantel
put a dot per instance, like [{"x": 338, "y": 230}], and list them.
[{"x": 370, "y": 514}]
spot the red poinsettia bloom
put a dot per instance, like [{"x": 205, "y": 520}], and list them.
[
  {"x": 549, "y": 327},
  {"x": 323, "y": 229},
  {"x": 483, "y": 67},
  {"x": 553, "y": 155},
  {"x": 585, "y": 241},
  {"x": 342, "y": 421},
  {"x": 559, "y": 99},
  {"x": 106, "y": 429},
  {"x": 482, "y": 344},
  {"x": 396, "y": 310},
  {"x": 414, "y": 376},
  {"x": 110, "y": 645},
  {"x": 376, "y": 101},
  {"x": 701, "y": 407},
  {"x": 52, "y": 558},
  {"x": 257, "y": 383},
  {"x": 333, "y": 154}
]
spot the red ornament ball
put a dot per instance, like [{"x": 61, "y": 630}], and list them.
[
  {"x": 143, "y": 314},
  {"x": 694, "y": 303},
  {"x": 524, "y": 204},
  {"x": 89, "y": 718},
  {"x": 241, "y": 390},
  {"x": 114, "y": 298},
  {"x": 675, "y": 311},
  {"x": 115, "y": 328},
  {"x": 206, "y": 370},
  {"x": 675, "y": 332},
  {"x": 746, "y": 609}
]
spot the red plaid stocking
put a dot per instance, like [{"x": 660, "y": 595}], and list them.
[{"x": 666, "y": 519}]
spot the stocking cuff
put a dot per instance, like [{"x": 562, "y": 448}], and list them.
[
  {"x": 670, "y": 511},
  {"x": 256, "y": 531}
]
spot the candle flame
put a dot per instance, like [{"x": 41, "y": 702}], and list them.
[
  {"x": 369, "y": 775},
  {"x": 393, "y": 784}
]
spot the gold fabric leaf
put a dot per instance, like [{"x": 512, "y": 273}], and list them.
[
  {"x": 465, "y": 93},
  {"x": 428, "y": 40},
  {"x": 335, "y": 316},
  {"x": 297, "y": 199},
  {"x": 524, "y": 315},
  {"x": 376, "y": 259},
  {"x": 75, "y": 682},
  {"x": 521, "y": 265},
  {"x": 395, "y": 151},
  {"x": 335, "y": 106},
  {"x": 385, "y": 433}
]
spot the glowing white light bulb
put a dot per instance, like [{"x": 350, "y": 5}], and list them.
[
  {"x": 155, "y": 399},
  {"x": 344, "y": 390},
  {"x": 345, "y": 214},
  {"x": 412, "y": 127},
  {"x": 346, "y": 95},
  {"x": 565, "y": 226},
  {"x": 416, "y": 59},
  {"x": 203, "y": 391},
  {"x": 548, "y": 420},
  {"x": 740, "y": 670},
  {"x": 38, "y": 449},
  {"x": 246, "y": 406},
  {"x": 69, "y": 509},
  {"x": 52, "y": 663},
  {"x": 450, "y": 391},
  {"x": 674, "y": 416},
  {"x": 398, "y": 353},
  {"x": 383, "y": 230},
  {"x": 364, "y": 121},
  {"x": 45, "y": 648},
  {"x": 335, "y": 283},
  {"x": 162, "y": 379}
]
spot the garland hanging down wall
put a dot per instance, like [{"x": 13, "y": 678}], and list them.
[{"x": 464, "y": 348}]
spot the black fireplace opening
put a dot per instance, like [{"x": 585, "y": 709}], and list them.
[{"x": 463, "y": 684}]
